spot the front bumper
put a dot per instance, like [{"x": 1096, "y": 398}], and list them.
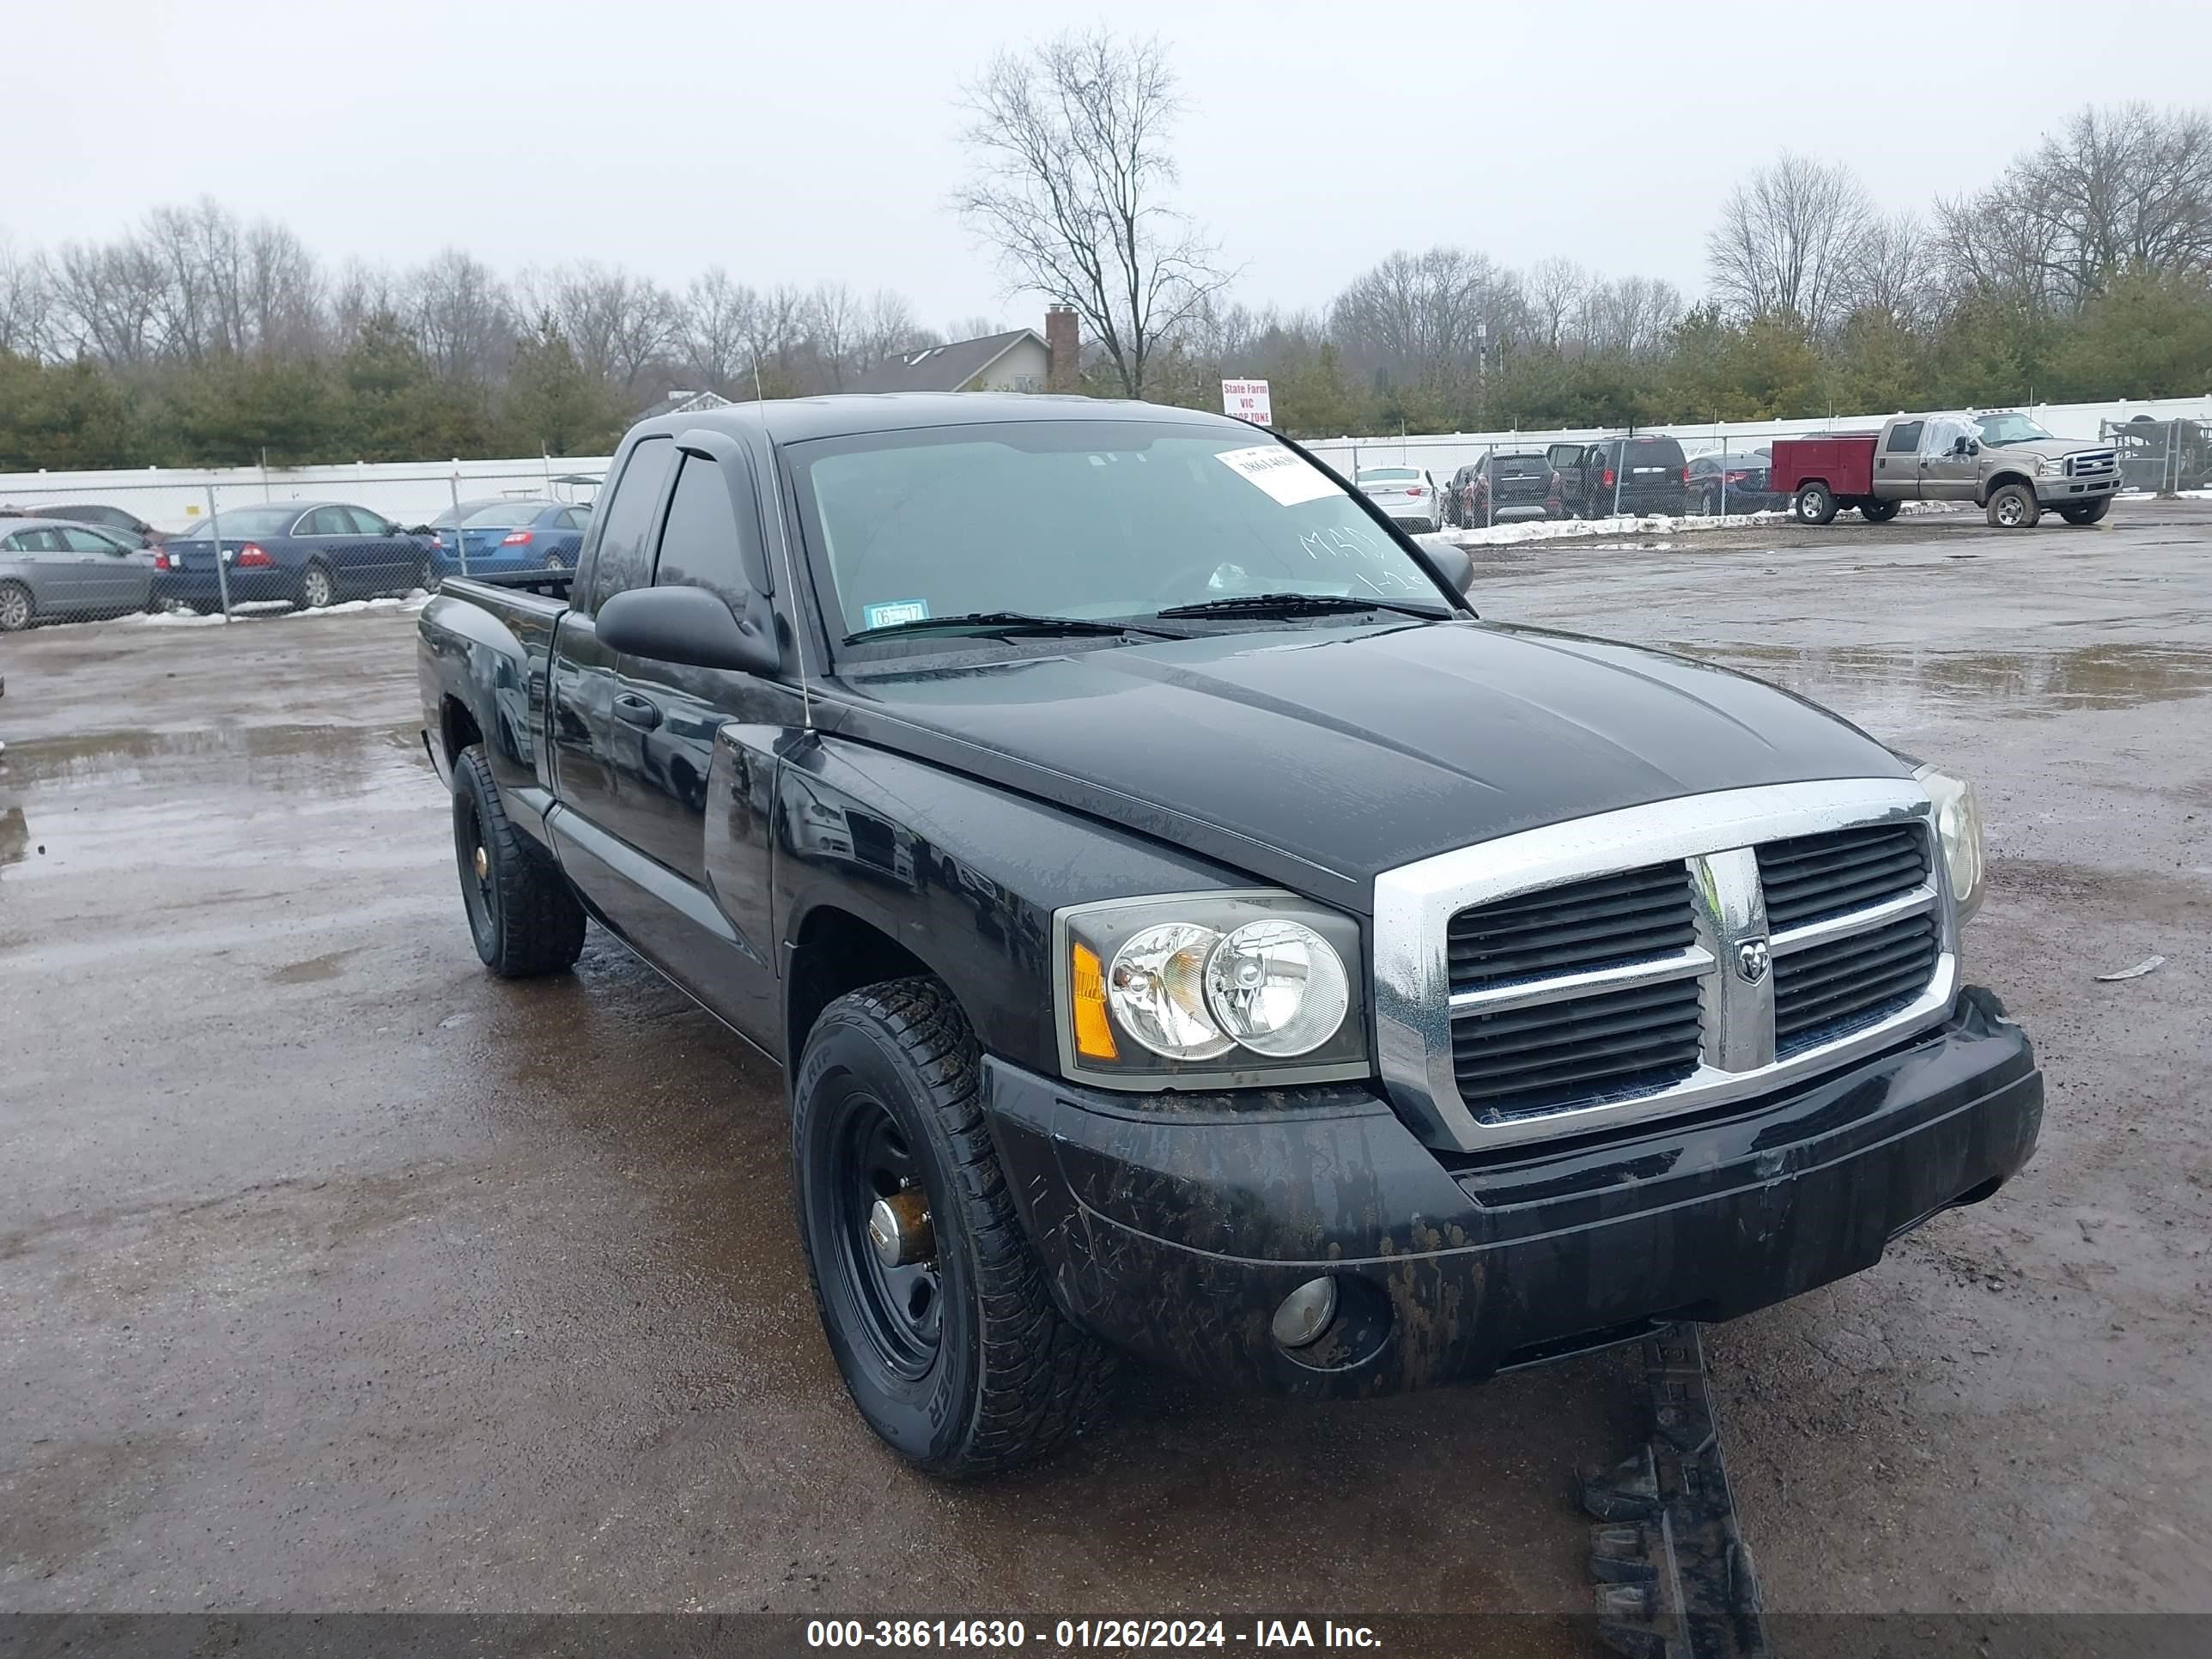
[
  {"x": 1174, "y": 1226},
  {"x": 2061, "y": 491}
]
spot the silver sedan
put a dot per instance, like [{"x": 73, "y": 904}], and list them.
[{"x": 52, "y": 570}]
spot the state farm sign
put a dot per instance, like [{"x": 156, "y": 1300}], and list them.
[{"x": 1248, "y": 401}]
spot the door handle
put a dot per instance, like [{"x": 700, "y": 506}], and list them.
[{"x": 633, "y": 710}]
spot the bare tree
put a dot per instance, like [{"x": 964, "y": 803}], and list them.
[
  {"x": 832, "y": 320},
  {"x": 2121, "y": 190},
  {"x": 1420, "y": 318},
  {"x": 715, "y": 312},
  {"x": 1896, "y": 269},
  {"x": 108, "y": 300},
  {"x": 25, "y": 296},
  {"x": 1631, "y": 315},
  {"x": 463, "y": 315},
  {"x": 362, "y": 291},
  {"x": 1073, "y": 169},
  {"x": 1787, "y": 241},
  {"x": 617, "y": 324},
  {"x": 1553, "y": 289},
  {"x": 887, "y": 327}
]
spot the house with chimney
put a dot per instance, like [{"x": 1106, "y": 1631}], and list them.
[{"x": 1021, "y": 360}]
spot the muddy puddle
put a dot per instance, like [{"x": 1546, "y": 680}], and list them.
[
  {"x": 1905, "y": 683},
  {"x": 125, "y": 799}
]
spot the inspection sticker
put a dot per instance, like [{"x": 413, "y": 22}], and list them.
[
  {"x": 893, "y": 612},
  {"x": 1283, "y": 473}
]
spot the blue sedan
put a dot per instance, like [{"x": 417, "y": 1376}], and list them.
[
  {"x": 511, "y": 535},
  {"x": 308, "y": 554}
]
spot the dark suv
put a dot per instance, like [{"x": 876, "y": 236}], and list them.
[
  {"x": 1499, "y": 486},
  {"x": 1632, "y": 475}
]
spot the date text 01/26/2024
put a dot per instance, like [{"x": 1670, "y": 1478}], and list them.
[{"x": 996, "y": 1635}]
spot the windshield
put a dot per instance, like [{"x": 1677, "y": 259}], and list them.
[
  {"x": 1997, "y": 430},
  {"x": 503, "y": 515},
  {"x": 1389, "y": 475},
  {"x": 1097, "y": 519},
  {"x": 246, "y": 522}
]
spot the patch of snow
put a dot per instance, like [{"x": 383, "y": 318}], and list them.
[{"x": 174, "y": 619}]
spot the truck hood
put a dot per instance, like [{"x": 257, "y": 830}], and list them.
[
  {"x": 1317, "y": 759},
  {"x": 2038, "y": 448}
]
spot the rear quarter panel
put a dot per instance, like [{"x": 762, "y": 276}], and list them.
[{"x": 487, "y": 650}]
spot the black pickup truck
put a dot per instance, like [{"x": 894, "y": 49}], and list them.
[{"x": 1187, "y": 929}]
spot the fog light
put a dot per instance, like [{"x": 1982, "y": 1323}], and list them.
[{"x": 1305, "y": 1312}]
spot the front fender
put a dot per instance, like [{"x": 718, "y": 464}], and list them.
[{"x": 964, "y": 875}]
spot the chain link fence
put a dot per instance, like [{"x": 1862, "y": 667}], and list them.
[{"x": 161, "y": 552}]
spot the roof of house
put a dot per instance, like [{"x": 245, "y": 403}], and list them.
[
  {"x": 943, "y": 368},
  {"x": 684, "y": 402}
]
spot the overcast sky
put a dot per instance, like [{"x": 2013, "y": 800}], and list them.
[{"x": 793, "y": 142}]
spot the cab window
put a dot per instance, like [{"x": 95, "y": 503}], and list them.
[
  {"x": 625, "y": 556},
  {"x": 702, "y": 545}
]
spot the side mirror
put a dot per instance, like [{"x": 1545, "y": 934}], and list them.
[
  {"x": 1958, "y": 445},
  {"x": 686, "y": 625},
  {"x": 1453, "y": 566}
]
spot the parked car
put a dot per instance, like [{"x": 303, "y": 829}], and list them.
[
  {"x": 1525, "y": 484},
  {"x": 1734, "y": 480},
  {"x": 109, "y": 518},
  {"x": 305, "y": 553},
  {"x": 507, "y": 534},
  {"x": 2000, "y": 460},
  {"x": 55, "y": 569},
  {"x": 1409, "y": 495},
  {"x": 1153, "y": 966},
  {"x": 1632, "y": 475}
]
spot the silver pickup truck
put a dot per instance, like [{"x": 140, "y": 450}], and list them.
[{"x": 2000, "y": 461}]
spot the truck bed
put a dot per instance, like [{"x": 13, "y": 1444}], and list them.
[{"x": 1842, "y": 460}]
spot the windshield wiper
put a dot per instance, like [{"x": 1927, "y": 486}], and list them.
[
  {"x": 1003, "y": 621},
  {"x": 1291, "y": 604}
]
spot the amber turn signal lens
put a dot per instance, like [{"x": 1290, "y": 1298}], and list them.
[{"x": 1094, "y": 1038}]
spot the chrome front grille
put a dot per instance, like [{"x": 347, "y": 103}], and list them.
[
  {"x": 1532, "y": 986},
  {"x": 1581, "y": 925},
  {"x": 1808, "y": 877},
  {"x": 2092, "y": 464},
  {"x": 1851, "y": 983},
  {"x": 1563, "y": 1054}
]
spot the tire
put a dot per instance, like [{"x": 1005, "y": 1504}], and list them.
[
  {"x": 555, "y": 562},
  {"x": 1878, "y": 512},
  {"x": 2013, "y": 507},
  {"x": 522, "y": 912},
  {"x": 960, "y": 1361},
  {"x": 317, "y": 587},
  {"x": 1815, "y": 504},
  {"x": 2088, "y": 512},
  {"x": 16, "y": 607}
]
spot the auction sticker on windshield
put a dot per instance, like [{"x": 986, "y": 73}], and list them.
[
  {"x": 1283, "y": 473},
  {"x": 893, "y": 612}
]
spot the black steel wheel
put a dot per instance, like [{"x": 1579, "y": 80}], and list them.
[
  {"x": 934, "y": 1304},
  {"x": 524, "y": 917}
]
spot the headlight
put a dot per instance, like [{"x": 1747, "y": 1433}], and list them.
[
  {"x": 1958, "y": 827},
  {"x": 1208, "y": 991},
  {"x": 2048, "y": 466}
]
